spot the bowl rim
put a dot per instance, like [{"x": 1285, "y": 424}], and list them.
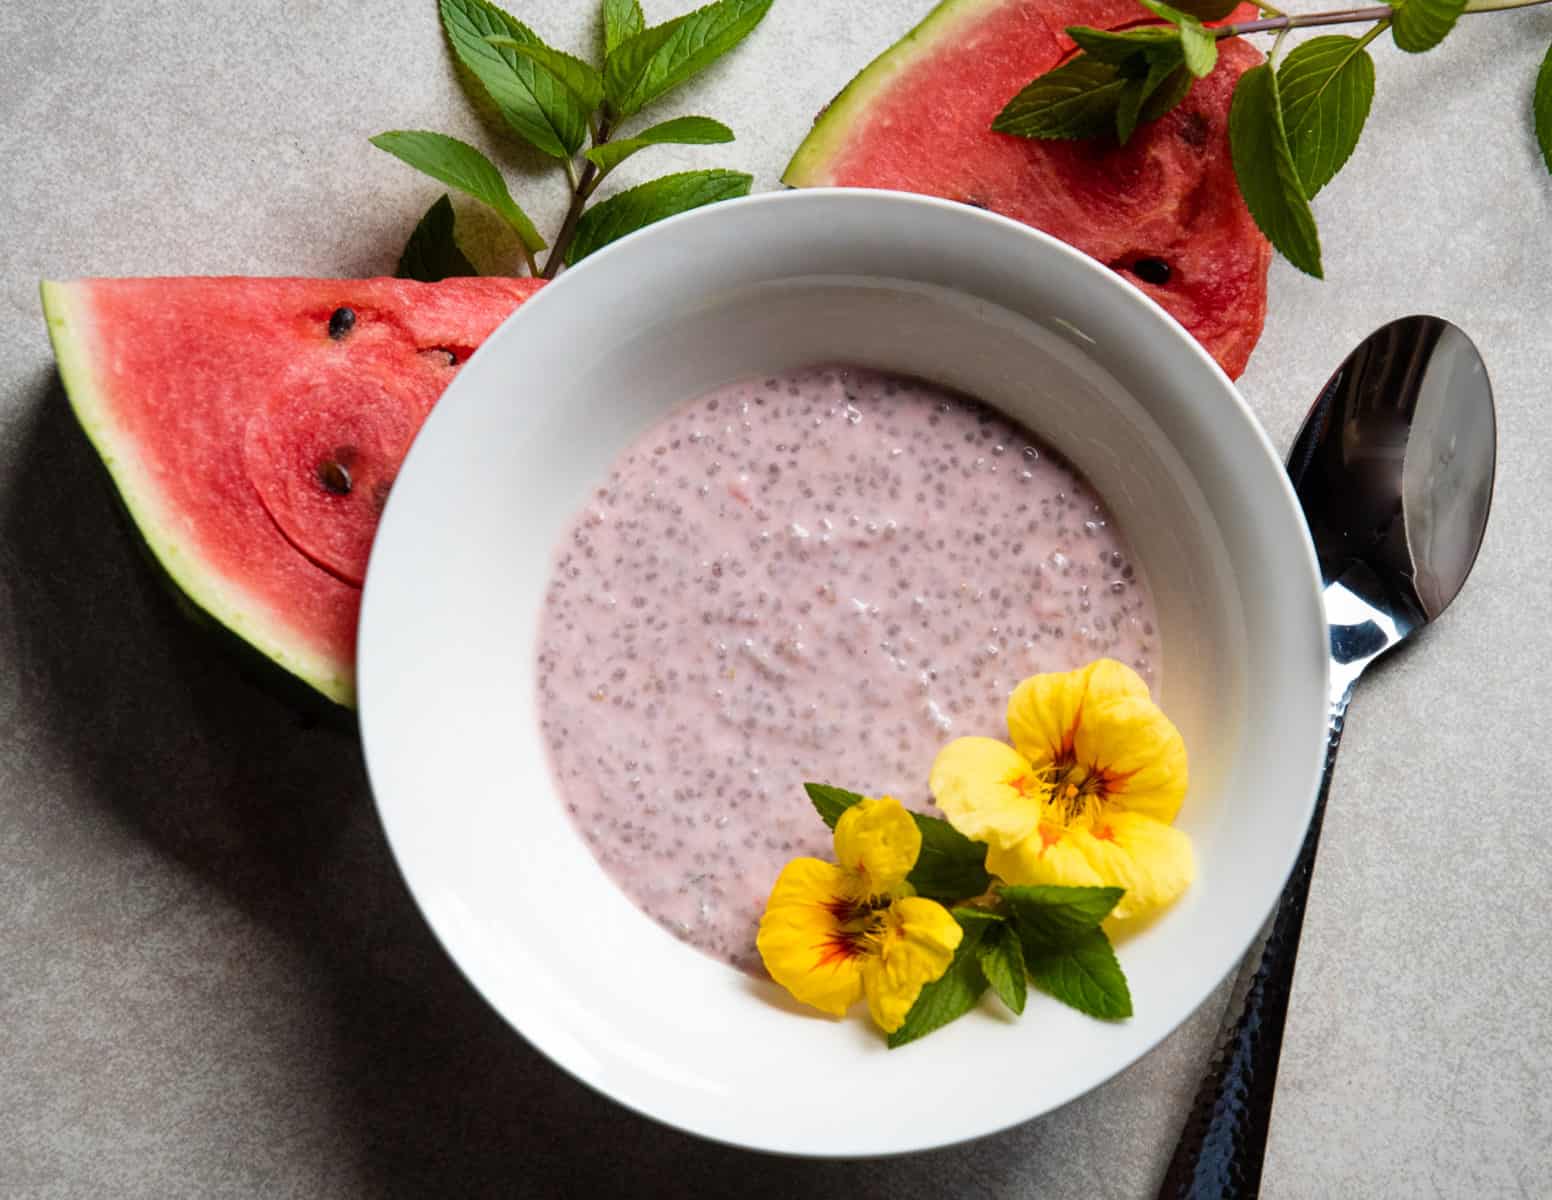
[{"x": 641, "y": 243}]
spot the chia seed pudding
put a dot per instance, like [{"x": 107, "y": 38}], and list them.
[{"x": 824, "y": 575}]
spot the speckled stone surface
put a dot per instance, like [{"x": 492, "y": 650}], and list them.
[{"x": 212, "y": 981}]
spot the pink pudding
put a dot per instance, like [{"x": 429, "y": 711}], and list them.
[{"x": 823, "y": 575}]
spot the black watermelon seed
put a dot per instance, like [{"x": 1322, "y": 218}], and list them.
[
  {"x": 341, "y": 322},
  {"x": 335, "y": 477},
  {"x": 1152, "y": 270}
]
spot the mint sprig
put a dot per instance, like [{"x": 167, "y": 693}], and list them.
[
  {"x": 571, "y": 110},
  {"x": 1049, "y": 935},
  {"x": 1293, "y": 124}
]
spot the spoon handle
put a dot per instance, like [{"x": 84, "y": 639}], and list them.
[{"x": 1221, "y": 1149}]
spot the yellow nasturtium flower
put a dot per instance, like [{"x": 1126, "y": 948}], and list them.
[
  {"x": 1086, "y": 793},
  {"x": 832, "y": 934}
]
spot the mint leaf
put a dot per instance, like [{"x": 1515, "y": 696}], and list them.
[
  {"x": 1207, "y": 10},
  {"x": 981, "y": 916},
  {"x": 1542, "y": 105},
  {"x": 830, "y": 802},
  {"x": 682, "y": 131},
  {"x": 951, "y": 867},
  {"x": 1148, "y": 58},
  {"x": 1420, "y": 25},
  {"x": 1085, "y": 975},
  {"x": 460, "y": 165},
  {"x": 622, "y": 21},
  {"x": 1120, "y": 45},
  {"x": 1263, "y": 165},
  {"x": 533, "y": 102},
  {"x": 1049, "y": 916},
  {"x": 432, "y": 252},
  {"x": 1076, "y": 100},
  {"x": 1199, "y": 46},
  {"x": 658, "y": 59},
  {"x": 1002, "y": 962},
  {"x": 949, "y": 997},
  {"x": 1065, "y": 951},
  {"x": 1165, "y": 66},
  {"x": 584, "y": 83},
  {"x": 1326, "y": 86},
  {"x": 631, "y": 210},
  {"x": 1175, "y": 88}
]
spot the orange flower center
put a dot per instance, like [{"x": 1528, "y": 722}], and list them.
[
  {"x": 1078, "y": 788},
  {"x": 859, "y": 927}
]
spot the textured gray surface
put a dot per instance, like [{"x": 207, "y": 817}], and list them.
[{"x": 212, "y": 982}]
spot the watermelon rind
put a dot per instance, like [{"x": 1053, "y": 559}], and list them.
[
  {"x": 72, "y": 331},
  {"x": 810, "y": 166}
]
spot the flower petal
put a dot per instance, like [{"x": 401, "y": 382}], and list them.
[
  {"x": 1051, "y": 855},
  {"x": 879, "y": 842},
  {"x": 1045, "y": 710},
  {"x": 987, "y": 790},
  {"x": 800, "y": 938},
  {"x": 1151, "y": 860},
  {"x": 1139, "y": 752},
  {"x": 920, "y": 937}
]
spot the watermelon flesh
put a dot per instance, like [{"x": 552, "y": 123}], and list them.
[
  {"x": 253, "y": 428},
  {"x": 1163, "y": 210}
]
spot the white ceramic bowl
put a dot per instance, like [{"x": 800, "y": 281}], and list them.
[{"x": 532, "y": 423}]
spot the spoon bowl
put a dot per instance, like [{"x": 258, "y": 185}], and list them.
[{"x": 1394, "y": 468}]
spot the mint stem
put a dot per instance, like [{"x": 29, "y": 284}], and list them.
[
  {"x": 581, "y": 189},
  {"x": 1351, "y": 16}
]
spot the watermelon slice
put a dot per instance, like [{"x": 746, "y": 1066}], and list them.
[
  {"x": 1163, "y": 210},
  {"x": 253, "y": 428}
]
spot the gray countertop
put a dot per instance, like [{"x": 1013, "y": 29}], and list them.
[{"x": 213, "y": 982}]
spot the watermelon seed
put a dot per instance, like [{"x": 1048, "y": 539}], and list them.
[
  {"x": 334, "y": 476},
  {"x": 341, "y": 322},
  {"x": 450, "y": 355},
  {"x": 1152, "y": 270}
]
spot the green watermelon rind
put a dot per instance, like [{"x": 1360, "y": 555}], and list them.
[
  {"x": 811, "y": 165},
  {"x": 202, "y": 590}
]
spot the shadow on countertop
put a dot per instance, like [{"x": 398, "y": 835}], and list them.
[{"x": 268, "y": 812}]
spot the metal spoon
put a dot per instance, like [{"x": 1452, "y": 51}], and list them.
[{"x": 1394, "y": 468}]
